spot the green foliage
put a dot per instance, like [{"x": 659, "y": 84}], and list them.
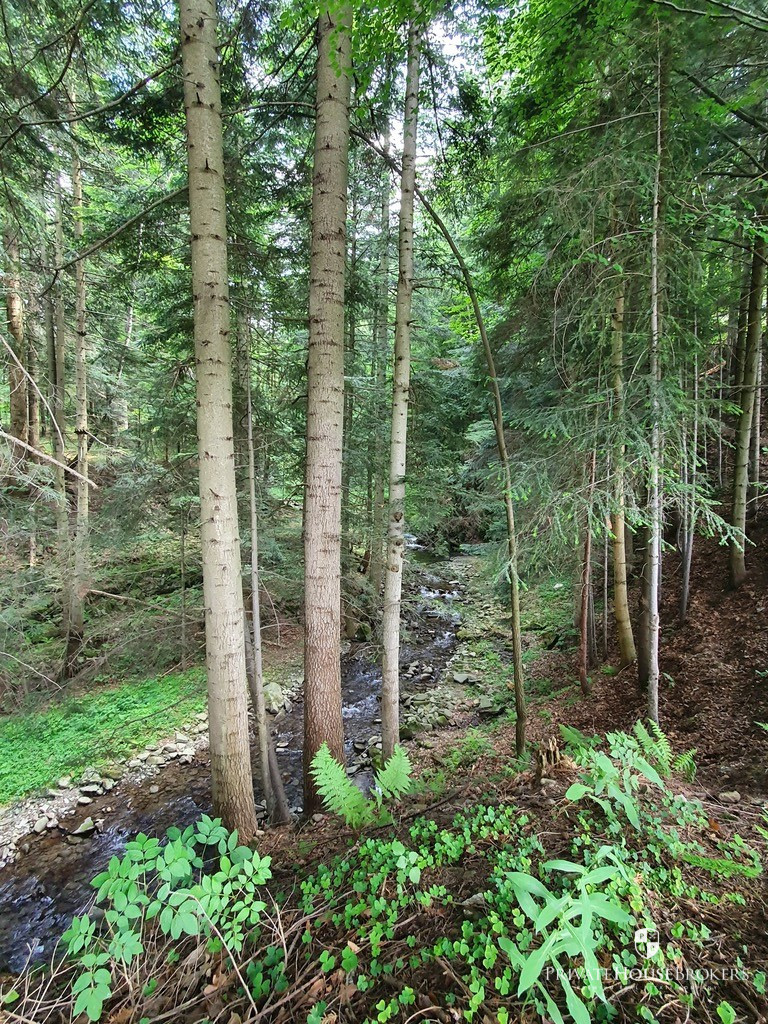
[
  {"x": 341, "y": 796},
  {"x": 174, "y": 887},
  {"x": 93, "y": 730}
]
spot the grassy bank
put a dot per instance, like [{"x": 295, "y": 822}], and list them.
[{"x": 93, "y": 729}]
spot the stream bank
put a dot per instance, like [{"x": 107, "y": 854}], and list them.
[{"x": 77, "y": 834}]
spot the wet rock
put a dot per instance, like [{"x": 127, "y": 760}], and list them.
[
  {"x": 85, "y": 828},
  {"x": 730, "y": 797},
  {"x": 360, "y": 746}
]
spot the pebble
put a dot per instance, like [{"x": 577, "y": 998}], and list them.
[
  {"x": 154, "y": 789},
  {"x": 730, "y": 797},
  {"x": 40, "y": 825}
]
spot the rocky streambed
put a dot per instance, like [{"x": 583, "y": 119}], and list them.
[{"x": 52, "y": 846}]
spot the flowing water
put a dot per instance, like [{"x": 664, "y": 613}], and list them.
[{"x": 50, "y": 883}]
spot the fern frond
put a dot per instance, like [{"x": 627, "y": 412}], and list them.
[
  {"x": 685, "y": 764},
  {"x": 654, "y": 745},
  {"x": 394, "y": 779},
  {"x": 573, "y": 737},
  {"x": 339, "y": 794}
]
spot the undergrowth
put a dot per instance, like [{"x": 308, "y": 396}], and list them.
[{"x": 598, "y": 909}]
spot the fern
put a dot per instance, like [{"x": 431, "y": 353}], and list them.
[
  {"x": 720, "y": 867},
  {"x": 685, "y": 765},
  {"x": 654, "y": 745},
  {"x": 340, "y": 795},
  {"x": 394, "y": 779},
  {"x": 576, "y": 739}
]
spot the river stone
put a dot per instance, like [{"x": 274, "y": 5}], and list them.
[
  {"x": 91, "y": 790},
  {"x": 108, "y": 784},
  {"x": 40, "y": 825},
  {"x": 461, "y": 677},
  {"x": 52, "y": 823},
  {"x": 85, "y": 828},
  {"x": 84, "y": 800},
  {"x": 273, "y": 697},
  {"x": 730, "y": 797},
  {"x": 154, "y": 789},
  {"x": 64, "y": 782}
]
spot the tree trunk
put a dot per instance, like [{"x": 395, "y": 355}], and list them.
[
  {"x": 690, "y": 477},
  {"x": 380, "y": 348},
  {"x": 272, "y": 787},
  {"x": 17, "y": 380},
  {"x": 738, "y": 570},
  {"x": 220, "y": 541},
  {"x": 627, "y": 653},
  {"x": 754, "y": 472},
  {"x": 58, "y": 426},
  {"x": 653, "y": 560},
  {"x": 497, "y": 418},
  {"x": 586, "y": 584},
  {"x": 325, "y": 400},
  {"x": 80, "y": 547},
  {"x": 393, "y": 577}
]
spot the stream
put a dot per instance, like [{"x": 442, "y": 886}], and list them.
[{"x": 50, "y": 882}]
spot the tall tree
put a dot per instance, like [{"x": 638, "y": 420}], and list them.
[
  {"x": 754, "y": 332},
  {"x": 325, "y": 398},
  {"x": 393, "y": 577},
  {"x": 80, "y": 542},
  {"x": 222, "y": 592},
  {"x": 17, "y": 378}
]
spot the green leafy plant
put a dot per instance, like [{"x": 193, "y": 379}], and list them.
[{"x": 341, "y": 796}]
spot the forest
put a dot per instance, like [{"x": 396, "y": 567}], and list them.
[{"x": 383, "y": 511}]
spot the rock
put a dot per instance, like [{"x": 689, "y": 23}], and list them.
[
  {"x": 155, "y": 759},
  {"x": 53, "y": 792},
  {"x": 64, "y": 782},
  {"x": 730, "y": 797},
  {"x": 85, "y": 828},
  {"x": 273, "y": 698},
  {"x": 52, "y": 823},
  {"x": 108, "y": 785},
  {"x": 91, "y": 790},
  {"x": 40, "y": 825},
  {"x": 360, "y": 746},
  {"x": 84, "y": 800},
  {"x": 200, "y": 728},
  {"x": 461, "y": 677},
  {"x": 89, "y": 775},
  {"x": 154, "y": 789},
  {"x": 318, "y": 817}
]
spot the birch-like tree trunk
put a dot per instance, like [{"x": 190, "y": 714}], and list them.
[
  {"x": 380, "y": 355},
  {"x": 16, "y": 359},
  {"x": 738, "y": 568},
  {"x": 220, "y": 539},
  {"x": 653, "y": 561},
  {"x": 325, "y": 399},
  {"x": 393, "y": 576},
  {"x": 80, "y": 547}
]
